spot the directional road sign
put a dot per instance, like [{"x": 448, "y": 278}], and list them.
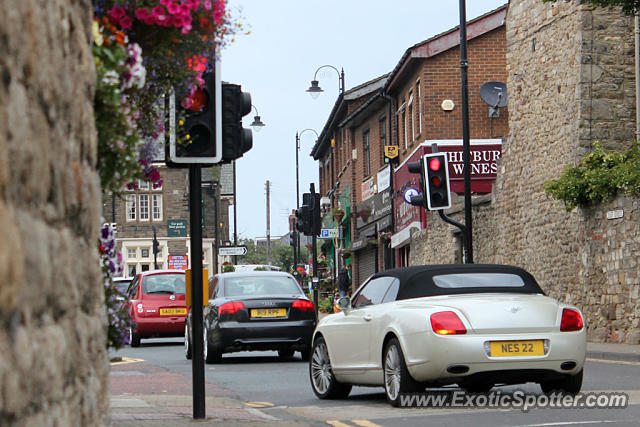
[{"x": 232, "y": 250}]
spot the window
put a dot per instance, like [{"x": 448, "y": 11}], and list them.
[
  {"x": 383, "y": 138},
  {"x": 131, "y": 207},
  {"x": 131, "y": 268},
  {"x": 478, "y": 280},
  {"x": 419, "y": 94},
  {"x": 144, "y": 185},
  {"x": 367, "y": 153},
  {"x": 144, "y": 207},
  {"x": 404, "y": 121},
  {"x": 373, "y": 292},
  {"x": 144, "y": 253},
  {"x": 145, "y": 267},
  {"x": 132, "y": 252},
  {"x": 156, "y": 207},
  {"x": 410, "y": 117}
]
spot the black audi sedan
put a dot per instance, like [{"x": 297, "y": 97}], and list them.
[{"x": 255, "y": 311}]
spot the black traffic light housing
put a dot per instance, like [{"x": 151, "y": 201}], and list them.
[
  {"x": 438, "y": 191},
  {"x": 194, "y": 128},
  {"x": 236, "y": 140},
  {"x": 303, "y": 220},
  {"x": 419, "y": 199},
  {"x": 293, "y": 238}
]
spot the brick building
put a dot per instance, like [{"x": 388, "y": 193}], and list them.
[{"x": 135, "y": 212}]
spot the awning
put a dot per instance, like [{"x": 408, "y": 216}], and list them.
[{"x": 402, "y": 237}]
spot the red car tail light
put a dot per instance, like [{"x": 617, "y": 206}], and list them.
[
  {"x": 447, "y": 323},
  {"x": 571, "y": 320},
  {"x": 230, "y": 307},
  {"x": 303, "y": 305}
]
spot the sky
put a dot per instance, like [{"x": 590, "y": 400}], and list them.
[{"x": 288, "y": 41}]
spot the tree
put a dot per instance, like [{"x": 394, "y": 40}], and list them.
[
  {"x": 281, "y": 254},
  {"x": 629, "y": 7}
]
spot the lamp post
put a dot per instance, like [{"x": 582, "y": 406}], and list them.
[
  {"x": 298, "y": 135},
  {"x": 257, "y": 124},
  {"x": 314, "y": 90}
]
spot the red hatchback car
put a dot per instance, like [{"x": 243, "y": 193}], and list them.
[{"x": 156, "y": 304}]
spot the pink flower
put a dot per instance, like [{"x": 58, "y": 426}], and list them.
[
  {"x": 153, "y": 175},
  {"x": 207, "y": 4},
  {"x": 165, "y": 2},
  {"x": 185, "y": 29},
  {"x": 218, "y": 12},
  {"x": 116, "y": 13},
  {"x": 150, "y": 20},
  {"x": 173, "y": 8},
  {"x": 142, "y": 13},
  {"x": 160, "y": 15},
  {"x": 157, "y": 184},
  {"x": 177, "y": 21},
  {"x": 193, "y": 3},
  {"x": 126, "y": 22}
]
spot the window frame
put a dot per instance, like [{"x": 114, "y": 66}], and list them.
[
  {"x": 130, "y": 204},
  {"x": 144, "y": 209},
  {"x": 366, "y": 143},
  {"x": 154, "y": 198}
]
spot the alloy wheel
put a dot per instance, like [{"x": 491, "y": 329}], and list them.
[
  {"x": 392, "y": 373},
  {"x": 321, "y": 368}
]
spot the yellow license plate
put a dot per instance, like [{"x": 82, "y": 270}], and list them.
[
  {"x": 268, "y": 312},
  {"x": 517, "y": 348},
  {"x": 172, "y": 311}
]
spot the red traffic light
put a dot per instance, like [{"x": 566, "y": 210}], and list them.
[
  {"x": 434, "y": 164},
  {"x": 199, "y": 101}
]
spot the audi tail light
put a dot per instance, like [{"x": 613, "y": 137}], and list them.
[
  {"x": 303, "y": 305},
  {"x": 571, "y": 320},
  {"x": 230, "y": 307},
  {"x": 447, "y": 323}
]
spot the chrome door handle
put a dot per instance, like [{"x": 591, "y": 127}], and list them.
[{"x": 368, "y": 317}]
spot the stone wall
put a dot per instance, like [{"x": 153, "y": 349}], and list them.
[
  {"x": 53, "y": 361},
  {"x": 570, "y": 82}
]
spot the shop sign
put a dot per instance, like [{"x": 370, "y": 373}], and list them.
[
  {"x": 177, "y": 228},
  {"x": 178, "y": 262},
  {"x": 368, "y": 188}
]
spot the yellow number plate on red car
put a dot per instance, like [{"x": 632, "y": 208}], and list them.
[
  {"x": 517, "y": 348},
  {"x": 172, "y": 311},
  {"x": 268, "y": 312}
]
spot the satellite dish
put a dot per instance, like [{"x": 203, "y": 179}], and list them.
[{"x": 494, "y": 94}]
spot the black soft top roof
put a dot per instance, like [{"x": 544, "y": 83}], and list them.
[{"x": 417, "y": 281}]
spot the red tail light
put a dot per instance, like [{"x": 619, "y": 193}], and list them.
[
  {"x": 230, "y": 307},
  {"x": 571, "y": 320},
  {"x": 303, "y": 305},
  {"x": 447, "y": 323}
]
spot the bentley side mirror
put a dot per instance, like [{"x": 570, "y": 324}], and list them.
[{"x": 344, "y": 303}]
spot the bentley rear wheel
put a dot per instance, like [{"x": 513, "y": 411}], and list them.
[{"x": 397, "y": 379}]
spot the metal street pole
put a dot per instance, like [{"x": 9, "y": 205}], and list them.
[
  {"x": 464, "y": 65},
  {"x": 314, "y": 279},
  {"x": 296, "y": 259},
  {"x": 235, "y": 214},
  {"x": 197, "y": 317}
]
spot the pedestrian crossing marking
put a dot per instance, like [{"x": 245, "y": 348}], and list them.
[
  {"x": 259, "y": 404},
  {"x": 338, "y": 423},
  {"x": 622, "y": 362},
  {"x": 125, "y": 360}
]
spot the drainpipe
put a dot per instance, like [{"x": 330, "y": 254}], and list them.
[
  {"x": 637, "y": 57},
  {"x": 390, "y": 101}
]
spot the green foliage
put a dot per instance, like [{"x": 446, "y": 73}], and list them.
[
  {"x": 598, "y": 178},
  {"x": 281, "y": 254},
  {"x": 325, "y": 305},
  {"x": 629, "y": 7},
  {"x": 228, "y": 268}
]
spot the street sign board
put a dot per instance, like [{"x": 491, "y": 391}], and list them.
[
  {"x": 177, "y": 228},
  {"x": 232, "y": 250},
  {"x": 329, "y": 233}
]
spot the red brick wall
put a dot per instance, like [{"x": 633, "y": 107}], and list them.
[{"x": 439, "y": 78}]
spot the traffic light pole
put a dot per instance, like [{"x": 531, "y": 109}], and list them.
[
  {"x": 464, "y": 65},
  {"x": 197, "y": 317},
  {"x": 314, "y": 279}
]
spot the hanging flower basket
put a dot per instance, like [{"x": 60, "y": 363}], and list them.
[{"x": 338, "y": 214}]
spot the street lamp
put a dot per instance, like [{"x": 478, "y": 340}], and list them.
[
  {"x": 298, "y": 135},
  {"x": 257, "y": 124},
  {"x": 314, "y": 90}
]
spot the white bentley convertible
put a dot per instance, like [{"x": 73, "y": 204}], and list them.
[{"x": 473, "y": 325}]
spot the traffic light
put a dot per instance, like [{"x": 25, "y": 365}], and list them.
[
  {"x": 419, "y": 199},
  {"x": 193, "y": 128},
  {"x": 438, "y": 193},
  {"x": 303, "y": 220},
  {"x": 236, "y": 140},
  {"x": 316, "y": 221},
  {"x": 292, "y": 238},
  {"x": 156, "y": 247}
]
